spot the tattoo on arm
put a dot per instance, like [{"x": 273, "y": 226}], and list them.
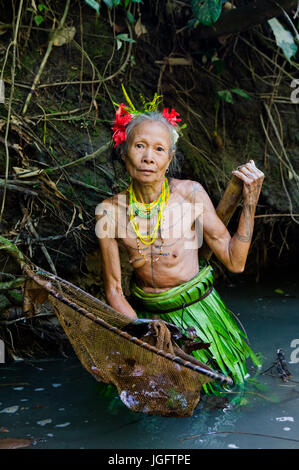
[
  {"x": 243, "y": 238},
  {"x": 248, "y": 212}
]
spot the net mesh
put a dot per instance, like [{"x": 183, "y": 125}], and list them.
[{"x": 152, "y": 373}]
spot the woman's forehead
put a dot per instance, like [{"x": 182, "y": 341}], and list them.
[{"x": 152, "y": 129}]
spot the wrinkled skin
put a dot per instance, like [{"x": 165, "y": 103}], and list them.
[{"x": 188, "y": 218}]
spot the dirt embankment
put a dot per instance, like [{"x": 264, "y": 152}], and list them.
[{"x": 55, "y": 177}]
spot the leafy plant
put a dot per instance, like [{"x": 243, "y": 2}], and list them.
[
  {"x": 205, "y": 12},
  {"x": 227, "y": 97},
  {"x": 38, "y": 18},
  {"x": 284, "y": 38},
  {"x": 123, "y": 37},
  {"x": 96, "y": 5}
]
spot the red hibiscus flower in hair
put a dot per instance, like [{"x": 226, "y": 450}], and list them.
[
  {"x": 122, "y": 119},
  {"x": 171, "y": 116}
]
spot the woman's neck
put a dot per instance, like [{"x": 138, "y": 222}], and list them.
[{"x": 146, "y": 193}]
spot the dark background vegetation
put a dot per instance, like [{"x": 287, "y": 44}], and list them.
[{"x": 59, "y": 106}]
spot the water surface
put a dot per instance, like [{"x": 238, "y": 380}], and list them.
[{"x": 59, "y": 404}]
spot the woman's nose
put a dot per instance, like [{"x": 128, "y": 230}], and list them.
[{"x": 147, "y": 156}]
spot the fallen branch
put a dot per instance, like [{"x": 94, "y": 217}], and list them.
[
  {"x": 91, "y": 156},
  {"x": 244, "y": 18},
  {"x": 89, "y": 186},
  {"x": 43, "y": 248},
  {"x": 237, "y": 432},
  {"x": 19, "y": 189}
]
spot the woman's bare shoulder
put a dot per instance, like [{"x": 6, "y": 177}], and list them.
[
  {"x": 186, "y": 187},
  {"x": 113, "y": 202}
]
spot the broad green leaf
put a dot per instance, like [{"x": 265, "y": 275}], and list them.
[
  {"x": 225, "y": 95},
  {"x": 240, "y": 92},
  {"x": 93, "y": 4},
  {"x": 109, "y": 3},
  {"x": 130, "y": 17},
  {"x": 284, "y": 38},
  {"x": 206, "y": 12},
  {"x": 38, "y": 19}
]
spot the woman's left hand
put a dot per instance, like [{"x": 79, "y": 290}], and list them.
[{"x": 252, "y": 179}]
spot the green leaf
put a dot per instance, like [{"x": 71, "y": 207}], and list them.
[
  {"x": 226, "y": 96},
  {"x": 279, "y": 291},
  {"x": 38, "y": 19},
  {"x": 240, "y": 92},
  {"x": 284, "y": 38},
  {"x": 206, "y": 12},
  {"x": 93, "y": 4},
  {"x": 112, "y": 3},
  {"x": 124, "y": 37},
  {"x": 42, "y": 7},
  {"x": 130, "y": 17}
]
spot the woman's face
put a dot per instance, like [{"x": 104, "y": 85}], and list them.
[{"x": 147, "y": 157}]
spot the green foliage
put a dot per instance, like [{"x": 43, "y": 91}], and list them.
[
  {"x": 93, "y": 4},
  {"x": 38, "y": 19},
  {"x": 205, "y": 12},
  {"x": 149, "y": 106},
  {"x": 96, "y": 4},
  {"x": 284, "y": 38},
  {"x": 42, "y": 7},
  {"x": 123, "y": 37},
  {"x": 226, "y": 95}
]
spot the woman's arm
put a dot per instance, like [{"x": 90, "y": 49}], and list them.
[
  {"x": 111, "y": 268},
  {"x": 233, "y": 251}
]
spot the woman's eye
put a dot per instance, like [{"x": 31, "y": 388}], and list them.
[
  {"x": 139, "y": 146},
  {"x": 160, "y": 149}
]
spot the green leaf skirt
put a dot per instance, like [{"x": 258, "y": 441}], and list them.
[{"x": 212, "y": 320}]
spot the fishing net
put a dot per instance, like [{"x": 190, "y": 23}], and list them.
[{"x": 151, "y": 372}]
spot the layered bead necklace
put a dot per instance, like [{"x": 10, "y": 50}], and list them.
[{"x": 146, "y": 211}]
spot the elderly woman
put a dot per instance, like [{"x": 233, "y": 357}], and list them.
[{"x": 161, "y": 223}]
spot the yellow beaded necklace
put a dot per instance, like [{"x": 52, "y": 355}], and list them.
[{"x": 147, "y": 210}]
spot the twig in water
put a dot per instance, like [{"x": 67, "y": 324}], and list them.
[{"x": 237, "y": 432}]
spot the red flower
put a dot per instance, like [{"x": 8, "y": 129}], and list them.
[
  {"x": 171, "y": 116},
  {"x": 122, "y": 119}
]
